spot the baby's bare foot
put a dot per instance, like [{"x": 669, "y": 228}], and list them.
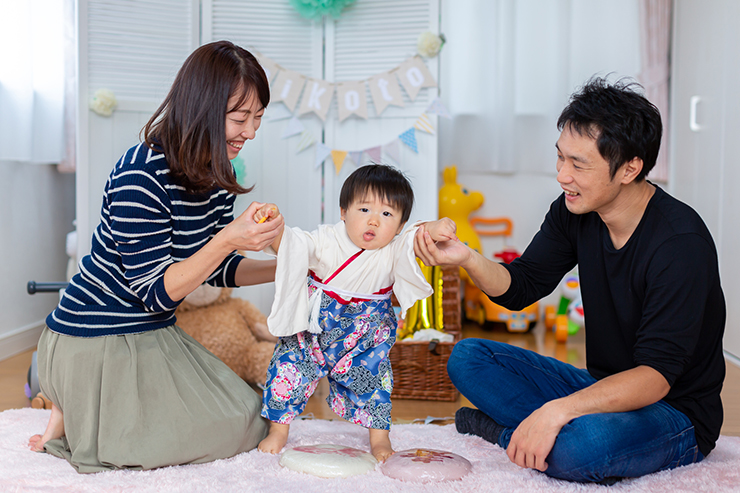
[
  {"x": 55, "y": 429},
  {"x": 276, "y": 439},
  {"x": 380, "y": 444}
]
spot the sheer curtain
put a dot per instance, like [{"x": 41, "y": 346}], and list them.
[
  {"x": 509, "y": 66},
  {"x": 32, "y": 68}
]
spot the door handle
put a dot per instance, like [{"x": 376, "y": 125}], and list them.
[{"x": 693, "y": 124}]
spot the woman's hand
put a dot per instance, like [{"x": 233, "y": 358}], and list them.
[{"x": 244, "y": 233}]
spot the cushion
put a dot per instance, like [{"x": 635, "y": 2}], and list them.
[
  {"x": 328, "y": 461},
  {"x": 426, "y": 466}
]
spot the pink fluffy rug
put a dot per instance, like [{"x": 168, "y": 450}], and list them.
[{"x": 23, "y": 470}]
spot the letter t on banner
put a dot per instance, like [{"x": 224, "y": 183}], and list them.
[
  {"x": 351, "y": 100},
  {"x": 385, "y": 91},
  {"x": 317, "y": 98}
]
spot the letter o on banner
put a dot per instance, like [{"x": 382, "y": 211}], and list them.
[
  {"x": 352, "y": 100},
  {"x": 415, "y": 77}
]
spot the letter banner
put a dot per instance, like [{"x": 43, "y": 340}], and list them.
[
  {"x": 270, "y": 67},
  {"x": 385, "y": 91},
  {"x": 351, "y": 99},
  {"x": 317, "y": 97},
  {"x": 287, "y": 88},
  {"x": 414, "y": 75}
]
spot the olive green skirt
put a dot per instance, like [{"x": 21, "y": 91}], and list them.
[{"x": 148, "y": 400}]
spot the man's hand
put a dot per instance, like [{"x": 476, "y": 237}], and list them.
[
  {"x": 449, "y": 251},
  {"x": 534, "y": 438}
]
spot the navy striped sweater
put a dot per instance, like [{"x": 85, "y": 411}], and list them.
[{"x": 146, "y": 224}]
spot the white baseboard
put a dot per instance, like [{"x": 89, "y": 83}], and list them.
[{"x": 21, "y": 339}]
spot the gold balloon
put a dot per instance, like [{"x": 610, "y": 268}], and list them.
[{"x": 426, "y": 313}]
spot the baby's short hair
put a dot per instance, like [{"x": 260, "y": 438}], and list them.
[{"x": 383, "y": 181}]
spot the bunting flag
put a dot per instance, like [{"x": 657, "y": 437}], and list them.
[
  {"x": 338, "y": 157},
  {"x": 385, "y": 91},
  {"x": 307, "y": 140},
  {"x": 437, "y": 108},
  {"x": 414, "y": 75},
  {"x": 392, "y": 149},
  {"x": 287, "y": 88},
  {"x": 356, "y": 157},
  {"x": 322, "y": 152},
  {"x": 270, "y": 67},
  {"x": 374, "y": 153},
  {"x": 276, "y": 112},
  {"x": 294, "y": 128},
  {"x": 316, "y": 97},
  {"x": 409, "y": 138},
  {"x": 351, "y": 100},
  {"x": 424, "y": 124}
]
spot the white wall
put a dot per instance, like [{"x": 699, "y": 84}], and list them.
[{"x": 36, "y": 213}]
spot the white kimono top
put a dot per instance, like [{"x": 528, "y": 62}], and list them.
[{"x": 323, "y": 251}]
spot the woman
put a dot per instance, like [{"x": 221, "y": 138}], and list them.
[{"x": 129, "y": 388}]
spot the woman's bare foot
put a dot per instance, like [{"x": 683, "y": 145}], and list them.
[
  {"x": 380, "y": 444},
  {"x": 276, "y": 439},
  {"x": 55, "y": 429}
]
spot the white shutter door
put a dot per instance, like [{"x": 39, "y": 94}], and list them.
[
  {"x": 372, "y": 37},
  {"x": 133, "y": 48},
  {"x": 280, "y": 173}
]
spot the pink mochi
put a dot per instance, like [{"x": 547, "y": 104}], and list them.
[{"x": 426, "y": 466}]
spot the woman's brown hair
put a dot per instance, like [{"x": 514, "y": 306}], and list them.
[{"x": 189, "y": 126}]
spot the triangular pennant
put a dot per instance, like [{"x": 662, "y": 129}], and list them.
[
  {"x": 294, "y": 127},
  {"x": 424, "y": 124},
  {"x": 409, "y": 138},
  {"x": 338, "y": 157},
  {"x": 355, "y": 156},
  {"x": 316, "y": 97},
  {"x": 287, "y": 88},
  {"x": 307, "y": 140},
  {"x": 269, "y": 66},
  {"x": 385, "y": 90},
  {"x": 437, "y": 108},
  {"x": 413, "y": 75},
  {"x": 276, "y": 112},
  {"x": 322, "y": 152},
  {"x": 351, "y": 99},
  {"x": 374, "y": 153},
  {"x": 393, "y": 150}
]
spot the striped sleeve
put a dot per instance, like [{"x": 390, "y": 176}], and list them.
[{"x": 139, "y": 217}]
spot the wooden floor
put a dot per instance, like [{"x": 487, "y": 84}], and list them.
[{"x": 14, "y": 374}]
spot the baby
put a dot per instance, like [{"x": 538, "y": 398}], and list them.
[{"x": 339, "y": 321}]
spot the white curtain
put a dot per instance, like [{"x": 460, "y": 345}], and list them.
[
  {"x": 509, "y": 66},
  {"x": 32, "y": 71}
]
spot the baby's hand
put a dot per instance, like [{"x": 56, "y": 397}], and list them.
[
  {"x": 442, "y": 230},
  {"x": 266, "y": 213}
]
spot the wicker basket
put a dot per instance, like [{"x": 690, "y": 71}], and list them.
[{"x": 420, "y": 368}]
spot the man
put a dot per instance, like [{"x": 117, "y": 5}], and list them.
[{"x": 654, "y": 308}]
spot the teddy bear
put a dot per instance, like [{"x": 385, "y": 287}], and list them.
[{"x": 231, "y": 328}]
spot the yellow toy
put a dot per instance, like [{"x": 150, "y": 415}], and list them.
[{"x": 457, "y": 203}]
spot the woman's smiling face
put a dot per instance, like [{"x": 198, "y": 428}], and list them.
[{"x": 242, "y": 122}]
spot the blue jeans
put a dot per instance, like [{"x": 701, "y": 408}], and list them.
[{"x": 509, "y": 383}]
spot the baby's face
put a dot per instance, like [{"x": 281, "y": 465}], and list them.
[{"x": 372, "y": 223}]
